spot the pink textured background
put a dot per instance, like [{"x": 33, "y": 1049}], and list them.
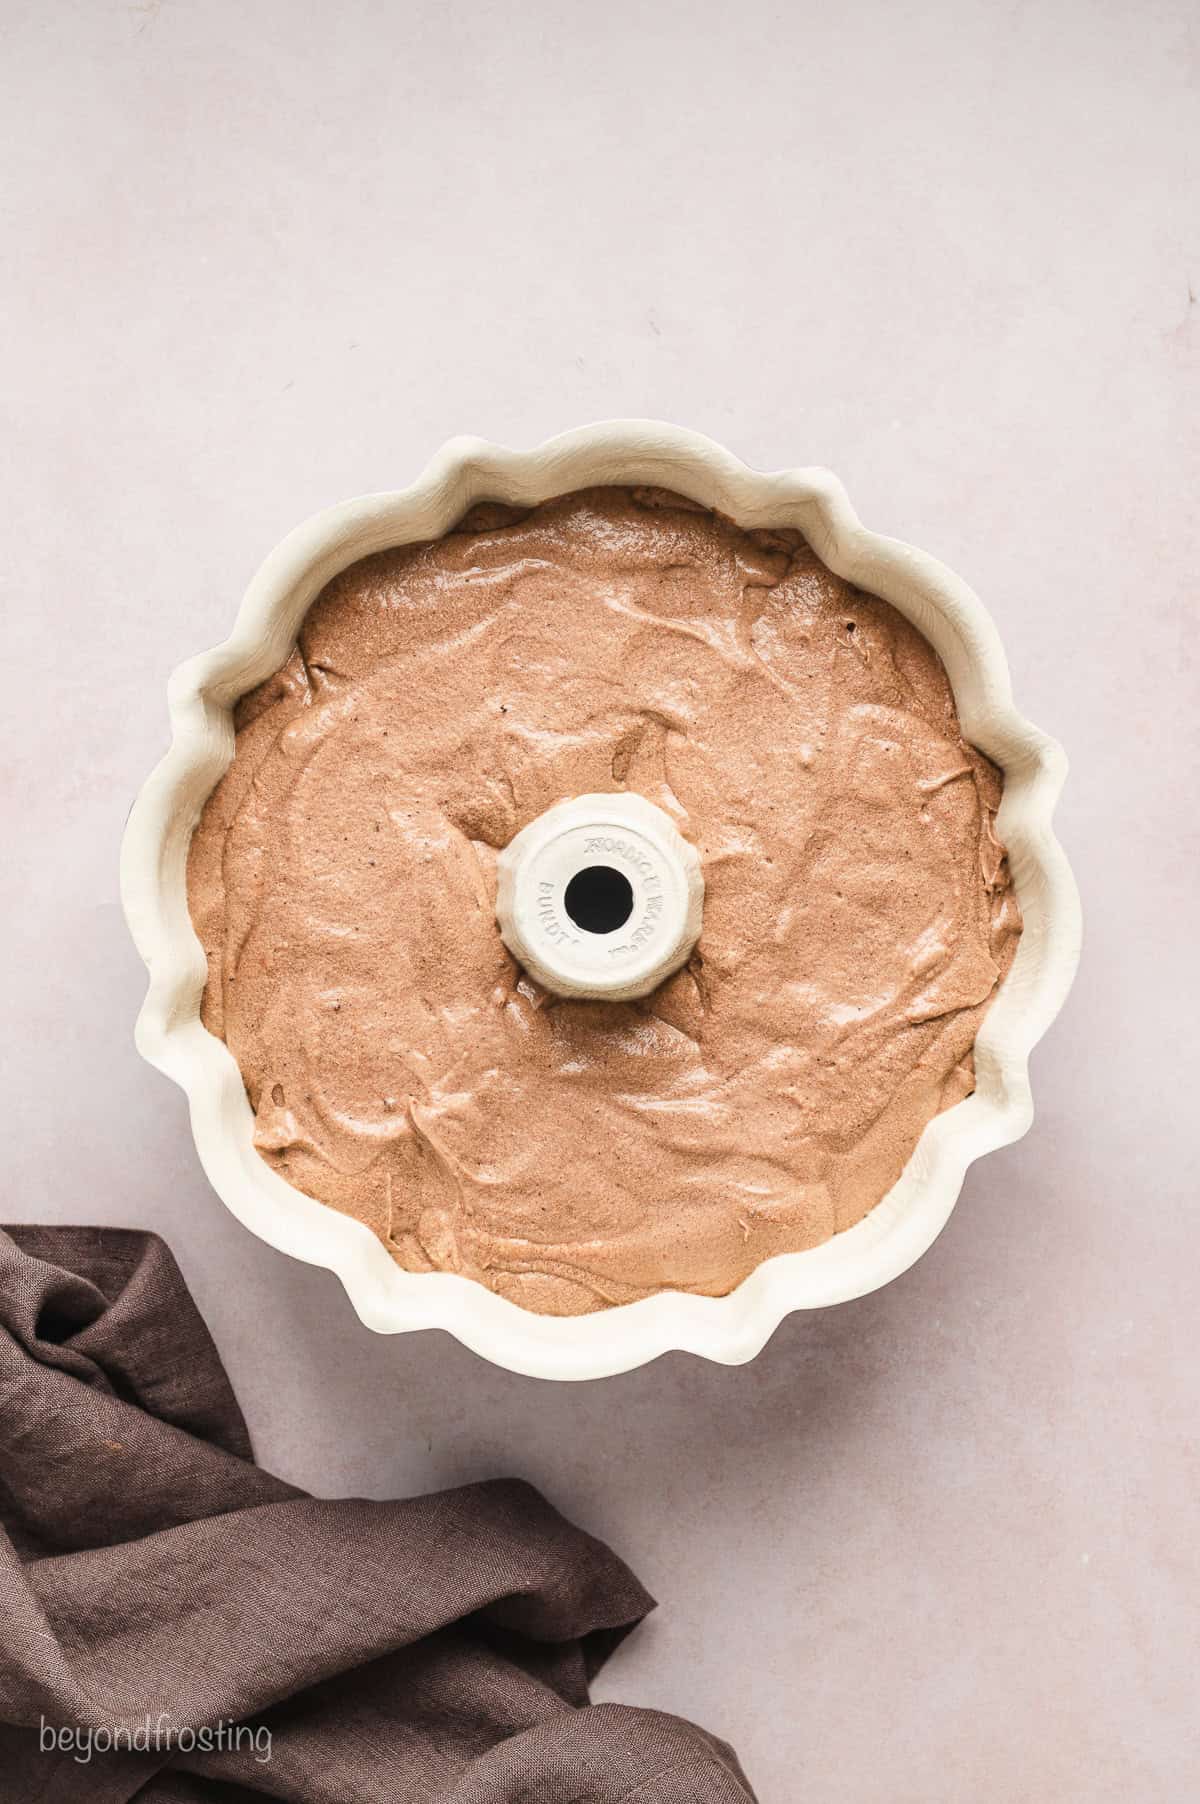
[{"x": 936, "y": 1545}]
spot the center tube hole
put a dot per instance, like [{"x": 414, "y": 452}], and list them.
[{"x": 599, "y": 899}]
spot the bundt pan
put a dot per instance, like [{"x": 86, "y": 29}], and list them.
[{"x": 202, "y": 694}]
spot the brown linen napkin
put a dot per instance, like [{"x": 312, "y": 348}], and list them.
[{"x": 240, "y": 1640}]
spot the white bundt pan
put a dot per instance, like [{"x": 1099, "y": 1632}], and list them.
[{"x": 731, "y": 1329}]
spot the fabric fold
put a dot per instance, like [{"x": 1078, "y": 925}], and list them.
[{"x": 180, "y": 1627}]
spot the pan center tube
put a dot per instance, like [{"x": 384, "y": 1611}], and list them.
[{"x": 600, "y": 897}]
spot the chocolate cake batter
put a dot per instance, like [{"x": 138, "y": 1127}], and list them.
[{"x": 858, "y": 913}]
